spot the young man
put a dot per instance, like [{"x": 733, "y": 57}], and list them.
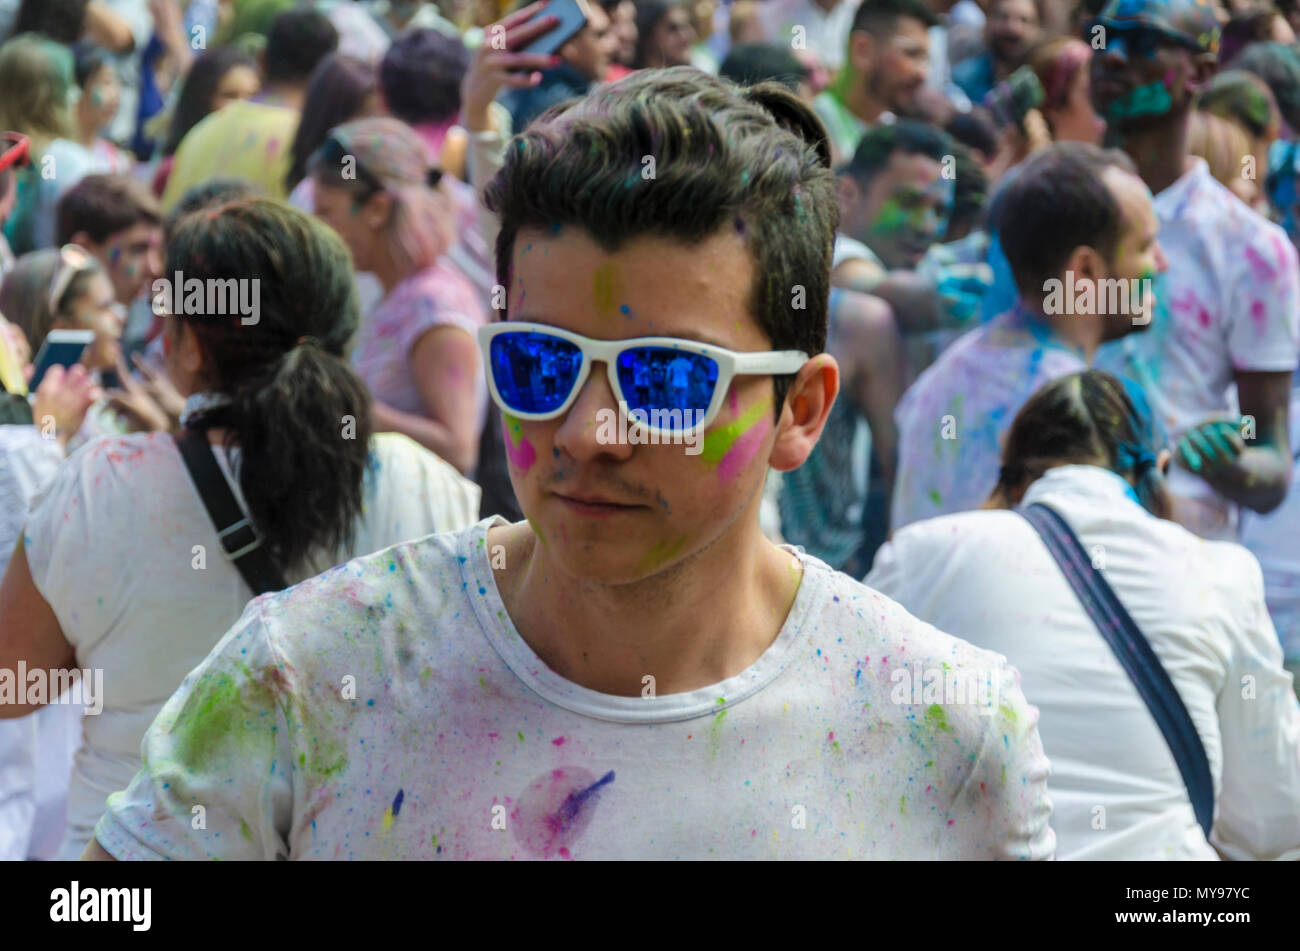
[
  {"x": 1080, "y": 235},
  {"x": 894, "y": 202},
  {"x": 118, "y": 221},
  {"x": 886, "y": 66},
  {"x": 634, "y": 671},
  {"x": 1235, "y": 304},
  {"x": 583, "y": 61},
  {"x": 250, "y": 139},
  {"x": 1012, "y": 28}
]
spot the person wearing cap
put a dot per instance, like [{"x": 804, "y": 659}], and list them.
[
  {"x": 1084, "y": 446},
  {"x": 1233, "y": 307}
]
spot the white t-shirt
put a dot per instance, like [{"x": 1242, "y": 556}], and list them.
[
  {"x": 36, "y": 750},
  {"x": 459, "y": 742},
  {"x": 1116, "y": 789},
  {"x": 1233, "y": 289},
  {"x": 111, "y": 547}
]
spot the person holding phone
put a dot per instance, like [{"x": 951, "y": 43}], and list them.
[{"x": 580, "y": 62}]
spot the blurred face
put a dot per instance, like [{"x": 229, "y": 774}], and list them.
[
  {"x": 592, "y": 50},
  {"x": 1137, "y": 256},
  {"x": 897, "y": 65},
  {"x": 623, "y": 20},
  {"x": 902, "y": 212},
  {"x": 1140, "y": 77},
  {"x": 339, "y": 208},
  {"x": 241, "y": 82},
  {"x": 1077, "y": 121},
  {"x": 671, "y": 41},
  {"x": 132, "y": 259},
  {"x": 660, "y": 504},
  {"x": 96, "y": 308},
  {"x": 1012, "y": 27},
  {"x": 101, "y": 97}
]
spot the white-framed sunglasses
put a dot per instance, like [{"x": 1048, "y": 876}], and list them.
[{"x": 536, "y": 371}]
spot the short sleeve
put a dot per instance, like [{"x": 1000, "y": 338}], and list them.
[
  {"x": 1005, "y": 796},
  {"x": 216, "y": 776},
  {"x": 73, "y": 522},
  {"x": 446, "y": 300},
  {"x": 27, "y": 463},
  {"x": 1264, "y": 335}
]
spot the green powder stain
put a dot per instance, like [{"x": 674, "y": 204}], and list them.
[
  {"x": 1006, "y": 711},
  {"x": 245, "y": 831},
  {"x": 521, "y": 737},
  {"x": 302, "y": 760},
  {"x": 1149, "y": 100},
  {"x": 718, "y": 442},
  {"x": 515, "y": 427},
  {"x": 605, "y": 289},
  {"x": 662, "y": 552},
  {"x": 482, "y": 683},
  {"x": 902, "y": 805},
  {"x": 387, "y": 822},
  {"x": 937, "y": 718},
  {"x": 537, "y": 531},
  {"x": 935, "y": 497},
  {"x": 890, "y": 219}
]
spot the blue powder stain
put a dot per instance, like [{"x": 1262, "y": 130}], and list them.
[
  {"x": 858, "y": 676},
  {"x": 555, "y": 452},
  {"x": 397, "y": 802},
  {"x": 569, "y": 809},
  {"x": 370, "y": 703},
  {"x": 625, "y": 309},
  {"x": 482, "y": 590}
]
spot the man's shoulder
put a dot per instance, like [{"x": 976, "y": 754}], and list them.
[
  {"x": 405, "y": 584},
  {"x": 891, "y": 630}
]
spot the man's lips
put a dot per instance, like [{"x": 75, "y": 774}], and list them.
[{"x": 594, "y": 505}]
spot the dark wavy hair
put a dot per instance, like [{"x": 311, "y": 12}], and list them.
[
  {"x": 195, "y": 101},
  {"x": 289, "y": 384},
  {"x": 753, "y": 159},
  {"x": 1088, "y": 418},
  {"x": 338, "y": 88}
]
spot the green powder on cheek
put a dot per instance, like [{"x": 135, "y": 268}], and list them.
[
  {"x": 1150, "y": 100},
  {"x": 890, "y": 219},
  {"x": 718, "y": 442}
]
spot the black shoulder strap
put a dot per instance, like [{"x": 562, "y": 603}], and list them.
[
  {"x": 1135, "y": 655},
  {"x": 242, "y": 545}
]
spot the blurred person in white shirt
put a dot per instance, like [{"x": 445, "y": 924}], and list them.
[{"x": 1082, "y": 447}]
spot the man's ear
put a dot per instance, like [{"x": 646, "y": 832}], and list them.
[
  {"x": 1204, "y": 66},
  {"x": 862, "y": 51},
  {"x": 803, "y": 417},
  {"x": 1086, "y": 264}
]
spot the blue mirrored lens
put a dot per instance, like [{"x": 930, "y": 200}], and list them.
[
  {"x": 672, "y": 387},
  {"x": 534, "y": 372}
]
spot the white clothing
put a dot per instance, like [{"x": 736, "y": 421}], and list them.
[
  {"x": 36, "y": 750},
  {"x": 1234, "y": 304},
  {"x": 987, "y": 577},
  {"x": 456, "y": 726},
  {"x": 113, "y": 547},
  {"x": 826, "y": 35}
]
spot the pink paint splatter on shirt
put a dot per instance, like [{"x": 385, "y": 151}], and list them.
[{"x": 1261, "y": 269}]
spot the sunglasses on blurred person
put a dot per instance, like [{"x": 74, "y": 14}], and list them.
[{"x": 1140, "y": 41}]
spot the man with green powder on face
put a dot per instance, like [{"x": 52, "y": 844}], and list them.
[
  {"x": 634, "y": 671},
  {"x": 1233, "y": 286}
]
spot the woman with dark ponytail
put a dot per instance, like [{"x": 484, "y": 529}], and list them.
[
  {"x": 121, "y": 568},
  {"x": 1087, "y": 449}
]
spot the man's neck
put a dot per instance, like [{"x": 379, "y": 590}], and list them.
[
  {"x": 1079, "y": 332},
  {"x": 1159, "y": 151},
  {"x": 827, "y": 6},
  {"x": 851, "y": 90},
  {"x": 698, "y": 623},
  {"x": 284, "y": 95}
]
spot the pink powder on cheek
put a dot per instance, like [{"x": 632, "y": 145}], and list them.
[
  {"x": 519, "y": 450},
  {"x": 743, "y": 449}
]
